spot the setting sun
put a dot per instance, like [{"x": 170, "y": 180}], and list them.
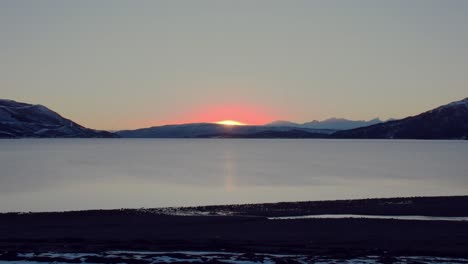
[{"x": 230, "y": 123}]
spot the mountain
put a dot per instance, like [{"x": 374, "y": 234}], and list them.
[
  {"x": 173, "y": 131},
  {"x": 209, "y": 130},
  {"x": 340, "y": 123},
  {"x": 331, "y": 123},
  {"x": 445, "y": 122},
  {"x": 18, "y": 120},
  {"x": 283, "y": 123}
]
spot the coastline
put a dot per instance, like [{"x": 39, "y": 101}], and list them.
[{"x": 246, "y": 229}]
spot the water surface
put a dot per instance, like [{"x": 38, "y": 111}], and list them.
[{"x": 71, "y": 174}]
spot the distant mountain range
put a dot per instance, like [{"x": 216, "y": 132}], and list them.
[
  {"x": 27, "y": 120},
  {"x": 278, "y": 129},
  {"x": 331, "y": 123},
  {"x": 209, "y": 130},
  {"x": 445, "y": 122}
]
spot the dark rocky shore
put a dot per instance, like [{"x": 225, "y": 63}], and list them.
[{"x": 245, "y": 228}]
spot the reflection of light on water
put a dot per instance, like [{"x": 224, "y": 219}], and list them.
[{"x": 229, "y": 172}]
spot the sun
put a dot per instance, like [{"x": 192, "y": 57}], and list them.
[{"x": 230, "y": 123}]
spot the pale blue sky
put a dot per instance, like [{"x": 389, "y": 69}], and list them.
[{"x": 128, "y": 64}]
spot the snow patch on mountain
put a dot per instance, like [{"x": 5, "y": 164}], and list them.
[{"x": 34, "y": 120}]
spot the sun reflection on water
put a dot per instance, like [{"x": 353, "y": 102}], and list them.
[{"x": 229, "y": 172}]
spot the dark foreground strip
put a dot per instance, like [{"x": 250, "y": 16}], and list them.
[{"x": 135, "y": 257}]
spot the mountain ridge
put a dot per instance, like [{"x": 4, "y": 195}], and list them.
[
  {"x": 329, "y": 123},
  {"x": 448, "y": 121},
  {"x": 23, "y": 120},
  {"x": 210, "y": 130}
]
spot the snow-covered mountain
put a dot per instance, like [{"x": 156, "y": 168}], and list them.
[
  {"x": 445, "y": 122},
  {"x": 28, "y": 120},
  {"x": 331, "y": 123}
]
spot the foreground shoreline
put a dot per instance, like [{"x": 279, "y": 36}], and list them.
[
  {"x": 247, "y": 229},
  {"x": 147, "y": 257}
]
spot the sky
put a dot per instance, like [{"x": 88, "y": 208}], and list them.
[{"x": 131, "y": 64}]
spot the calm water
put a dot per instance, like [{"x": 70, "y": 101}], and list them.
[{"x": 66, "y": 174}]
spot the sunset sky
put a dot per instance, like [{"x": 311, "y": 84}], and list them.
[{"x": 131, "y": 64}]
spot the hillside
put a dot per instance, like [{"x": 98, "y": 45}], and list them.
[
  {"x": 22, "y": 120},
  {"x": 208, "y": 130},
  {"x": 445, "y": 122}
]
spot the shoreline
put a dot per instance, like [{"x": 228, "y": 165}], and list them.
[
  {"x": 440, "y": 205},
  {"x": 247, "y": 229},
  {"x": 139, "y": 257}
]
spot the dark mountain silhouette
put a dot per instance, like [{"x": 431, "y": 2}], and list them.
[
  {"x": 209, "y": 130},
  {"x": 340, "y": 123},
  {"x": 19, "y": 120},
  {"x": 283, "y": 123},
  {"x": 445, "y": 122},
  {"x": 331, "y": 123}
]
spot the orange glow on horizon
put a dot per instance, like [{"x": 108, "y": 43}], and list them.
[
  {"x": 226, "y": 114},
  {"x": 240, "y": 113},
  {"x": 230, "y": 123}
]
